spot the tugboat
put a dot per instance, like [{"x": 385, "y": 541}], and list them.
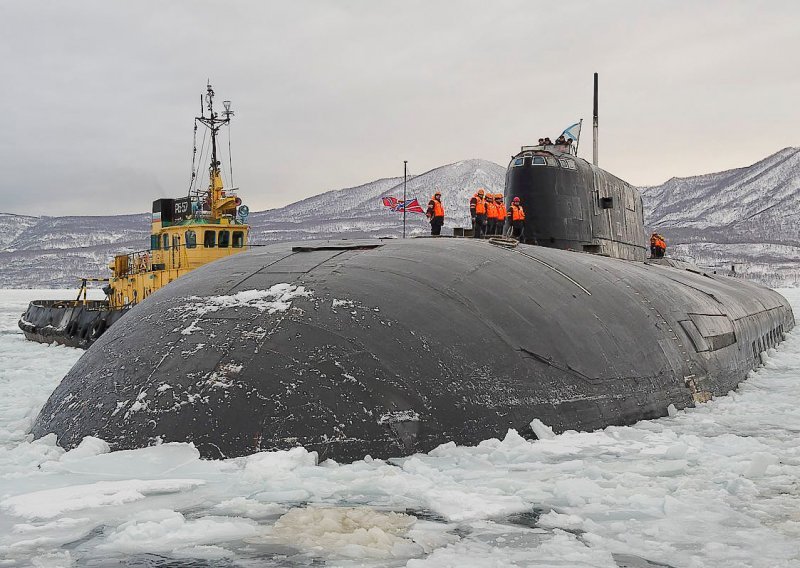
[{"x": 187, "y": 232}]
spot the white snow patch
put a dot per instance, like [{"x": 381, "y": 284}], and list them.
[
  {"x": 50, "y": 503},
  {"x": 166, "y": 530},
  {"x": 542, "y": 431},
  {"x": 277, "y": 299},
  {"x": 398, "y": 416},
  {"x": 89, "y": 446}
]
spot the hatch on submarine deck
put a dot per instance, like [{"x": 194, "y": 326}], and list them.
[{"x": 394, "y": 347}]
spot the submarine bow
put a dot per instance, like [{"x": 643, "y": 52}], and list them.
[{"x": 393, "y": 347}]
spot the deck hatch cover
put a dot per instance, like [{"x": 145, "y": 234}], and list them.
[
  {"x": 694, "y": 334},
  {"x": 716, "y": 329}
]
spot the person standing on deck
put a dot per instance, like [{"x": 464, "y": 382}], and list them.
[
  {"x": 491, "y": 214},
  {"x": 435, "y": 213},
  {"x": 477, "y": 211},
  {"x": 501, "y": 214},
  {"x": 516, "y": 217}
]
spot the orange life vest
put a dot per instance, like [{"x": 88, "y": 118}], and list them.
[
  {"x": 491, "y": 210},
  {"x": 438, "y": 209},
  {"x": 517, "y": 213},
  {"x": 501, "y": 211},
  {"x": 480, "y": 204}
]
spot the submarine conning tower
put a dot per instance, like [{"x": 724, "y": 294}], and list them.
[{"x": 574, "y": 205}]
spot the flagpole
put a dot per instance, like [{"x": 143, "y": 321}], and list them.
[
  {"x": 578, "y": 141},
  {"x": 405, "y": 179},
  {"x": 594, "y": 124}
]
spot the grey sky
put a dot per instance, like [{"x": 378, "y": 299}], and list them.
[{"x": 99, "y": 96}]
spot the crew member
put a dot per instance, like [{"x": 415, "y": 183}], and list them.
[
  {"x": 477, "y": 210},
  {"x": 435, "y": 213},
  {"x": 662, "y": 246},
  {"x": 516, "y": 216},
  {"x": 491, "y": 214},
  {"x": 501, "y": 214},
  {"x": 658, "y": 245}
]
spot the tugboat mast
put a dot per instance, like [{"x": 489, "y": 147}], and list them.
[{"x": 214, "y": 122}]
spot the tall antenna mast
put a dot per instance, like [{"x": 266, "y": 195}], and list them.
[
  {"x": 594, "y": 124},
  {"x": 213, "y": 122}
]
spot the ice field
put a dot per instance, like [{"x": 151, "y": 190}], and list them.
[{"x": 713, "y": 486}]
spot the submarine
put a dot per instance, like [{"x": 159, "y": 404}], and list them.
[{"x": 388, "y": 347}]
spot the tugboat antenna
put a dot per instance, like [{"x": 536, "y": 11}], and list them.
[{"x": 213, "y": 122}]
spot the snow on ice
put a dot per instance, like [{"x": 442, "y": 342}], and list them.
[
  {"x": 711, "y": 486},
  {"x": 277, "y": 299}
]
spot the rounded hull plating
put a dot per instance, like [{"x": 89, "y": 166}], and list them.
[{"x": 394, "y": 347}]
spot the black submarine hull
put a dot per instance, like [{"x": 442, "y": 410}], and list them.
[
  {"x": 400, "y": 346},
  {"x": 74, "y": 323}
]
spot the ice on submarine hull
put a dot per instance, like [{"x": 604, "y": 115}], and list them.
[{"x": 393, "y": 347}]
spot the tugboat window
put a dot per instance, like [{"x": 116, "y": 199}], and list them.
[
  {"x": 165, "y": 238},
  {"x": 224, "y": 239},
  {"x": 238, "y": 239},
  {"x": 191, "y": 239},
  {"x": 539, "y": 161},
  {"x": 155, "y": 243},
  {"x": 209, "y": 239}
]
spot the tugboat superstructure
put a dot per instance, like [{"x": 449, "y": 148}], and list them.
[{"x": 186, "y": 233}]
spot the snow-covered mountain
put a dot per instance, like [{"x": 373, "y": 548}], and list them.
[
  {"x": 745, "y": 217},
  {"x": 51, "y": 252}
]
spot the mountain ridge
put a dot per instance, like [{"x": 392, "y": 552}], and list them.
[{"x": 744, "y": 216}]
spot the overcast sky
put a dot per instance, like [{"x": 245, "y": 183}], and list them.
[{"x": 99, "y": 97}]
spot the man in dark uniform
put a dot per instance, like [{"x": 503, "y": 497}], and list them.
[
  {"x": 477, "y": 210},
  {"x": 516, "y": 218},
  {"x": 435, "y": 213}
]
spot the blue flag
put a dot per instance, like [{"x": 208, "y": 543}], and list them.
[{"x": 573, "y": 131}]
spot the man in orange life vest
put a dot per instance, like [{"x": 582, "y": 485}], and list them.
[
  {"x": 477, "y": 210},
  {"x": 435, "y": 213},
  {"x": 658, "y": 246},
  {"x": 516, "y": 216},
  {"x": 501, "y": 214},
  {"x": 491, "y": 214}
]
